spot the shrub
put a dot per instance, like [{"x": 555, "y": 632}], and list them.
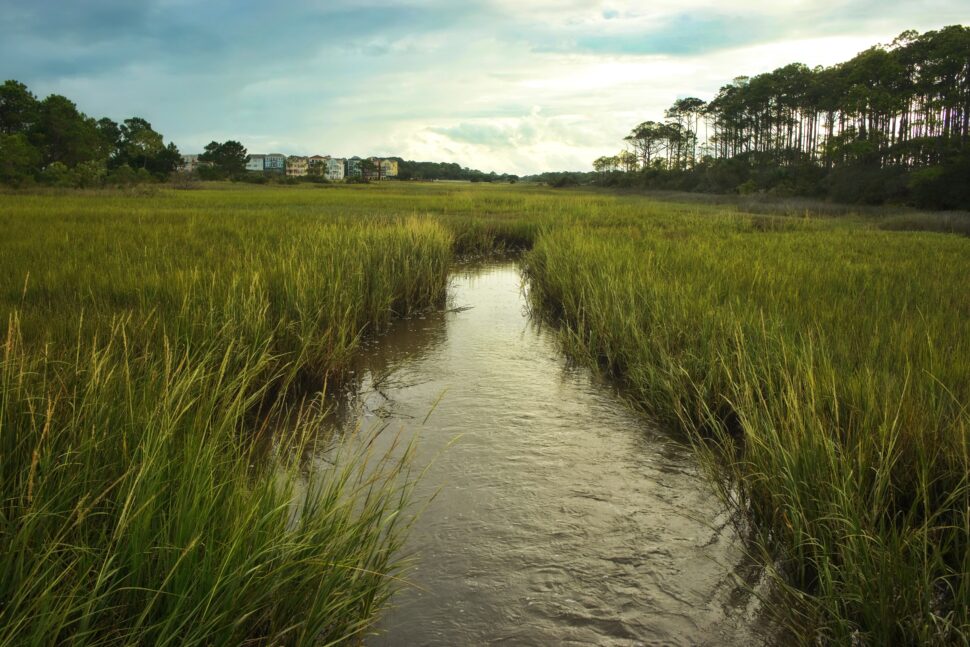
[{"x": 58, "y": 175}]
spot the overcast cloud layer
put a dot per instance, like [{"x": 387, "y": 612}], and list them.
[{"x": 505, "y": 85}]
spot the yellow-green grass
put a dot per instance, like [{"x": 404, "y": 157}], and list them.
[
  {"x": 137, "y": 508},
  {"x": 824, "y": 369},
  {"x": 157, "y": 338},
  {"x": 152, "y": 350}
]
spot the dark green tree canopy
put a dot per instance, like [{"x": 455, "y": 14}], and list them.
[
  {"x": 412, "y": 170},
  {"x": 228, "y": 157},
  {"x": 859, "y": 130},
  {"x": 18, "y": 159},
  {"x": 41, "y": 134},
  {"x": 63, "y": 133},
  {"x": 139, "y": 142},
  {"x": 18, "y": 108}
]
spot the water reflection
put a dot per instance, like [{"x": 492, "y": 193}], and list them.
[
  {"x": 379, "y": 371},
  {"x": 559, "y": 516}
]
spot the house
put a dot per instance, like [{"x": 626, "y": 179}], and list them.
[
  {"x": 332, "y": 168},
  {"x": 189, "y": 163},
  {"x": 329, "y": 167},
  {"x": 335, "y": 168},
  {"x": 274, "y": 162},
  {"x": 373, "y": 171},
  {"x": 296, "y": 166},
  {"x": 256, "y": 163},
  {"x": 381, "y": 169},
  {"x": 317, "y": 164},
  {"x": 352, "y": 167},
  {"x": 388, "y": 169}
]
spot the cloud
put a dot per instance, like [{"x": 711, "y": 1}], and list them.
[
  {"x": 682, "y": 34},
  {"x": 487, "y": 134},
  {"x": 501, "y": 85},
  {"x": 522, "y": 131}
]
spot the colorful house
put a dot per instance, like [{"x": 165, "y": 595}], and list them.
[
  {"x": 388, "y": 169},
  {"x": 332, "y": 168},
  {"x": 374, "y": 170},
  {"x": 317, "y": 164},
  {"x": 296, "y": 166}
]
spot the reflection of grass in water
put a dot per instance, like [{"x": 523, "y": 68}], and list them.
[{"x": 830, "y": 363}]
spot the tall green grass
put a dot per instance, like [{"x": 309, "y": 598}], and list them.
[
  {"x": 138, "y": 509},
  {"x": 152, "y": 440},
  {"x": 154, "y": 483},
  {"x": 824, "y": 369}
]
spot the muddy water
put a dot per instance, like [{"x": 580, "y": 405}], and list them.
[{"x": 560, "y": 517}]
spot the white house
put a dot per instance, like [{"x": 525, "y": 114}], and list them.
[
  {"x": 189, "y": 163},
  {"x": 334, "y": 169},
  {"x": 256, "y": 163}
]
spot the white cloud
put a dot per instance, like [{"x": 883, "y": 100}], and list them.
[{"x": 502, "y": 86}]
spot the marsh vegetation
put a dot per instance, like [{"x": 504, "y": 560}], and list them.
[{"x": 820, "y": 364}]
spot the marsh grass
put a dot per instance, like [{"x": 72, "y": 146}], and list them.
[
  {"x": 153, "y": 450},
  {"x": 153, "y": 445},
  {"x": 823, "y": 370},
  {"x": 137, "y": 508},
  {"x": 954, "y": 222}
]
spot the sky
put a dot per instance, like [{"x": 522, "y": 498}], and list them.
[{"x": 519, "y": 86}]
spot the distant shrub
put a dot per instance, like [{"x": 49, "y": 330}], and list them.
[
  {"x": 124, "y": 175},
  {"x": 567, "y": 179},
  {"x": 210, "y": 172},
  {"x": 90, "y": 174},
  {"x": 867, "y": 184},
  {"x": 18, "y": 157},
  {"x": 58, "y": 175},
  {"x": 253, "y": 178},
  {"x": 942, "y": 187},
  {"x": 747, "y": 188}
]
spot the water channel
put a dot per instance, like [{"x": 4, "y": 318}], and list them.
[{"x": 559, "y": 516}]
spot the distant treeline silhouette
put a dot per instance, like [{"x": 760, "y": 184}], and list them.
[
  {"x": 890, "y": 125},
  {"x": 411, "y": 170},
  {"x": 50, "y": 142}
]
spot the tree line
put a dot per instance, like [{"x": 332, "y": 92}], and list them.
[
  {"x": 50, "y": 141},
  {"x": 411, "y": 170},
  {"x": 890, "y": 125}
]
